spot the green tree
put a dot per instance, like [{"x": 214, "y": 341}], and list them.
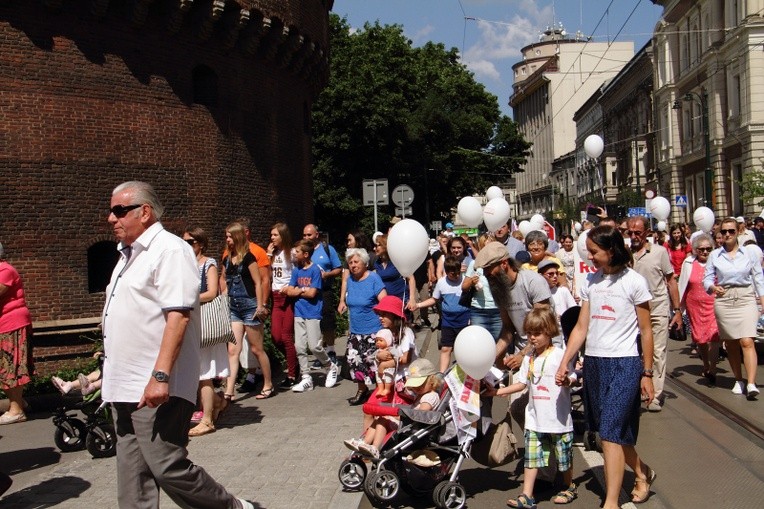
[
  {"x": 752, "y": 187},
  {"x": 411, "y": 115}
]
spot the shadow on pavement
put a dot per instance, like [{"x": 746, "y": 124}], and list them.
[
  {"x": 48, "y": 493},
  {"x": 15, "y": 462}
]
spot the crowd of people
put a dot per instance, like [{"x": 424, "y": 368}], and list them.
[{"x": 516, "y": 287}]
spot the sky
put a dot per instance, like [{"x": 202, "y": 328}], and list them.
[{"x": 490, "y": 33}]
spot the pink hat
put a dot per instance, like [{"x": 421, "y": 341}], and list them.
[{"x": 391, "y": 304}]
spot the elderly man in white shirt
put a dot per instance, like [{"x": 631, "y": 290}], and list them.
[{"x": 151, "y": 331}]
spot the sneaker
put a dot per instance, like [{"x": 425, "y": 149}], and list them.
[
  {"x": 331, "y": 375},
  {"x": 287, "y": 383},
  {"x": 332, "y": 356},
  {"x": 739, "y": 387},
  {"x": 245, "y": 504},
  {"x": 654, "y": 406},
  {"x": 753, "y": 392},
  {"x": 368, "y": 450},
  {"x": 353, "y": 444},
  {"x": 306, "y": 384},
  {"x": 197, "y": 416},
  {"x": 316, "y": 365}
]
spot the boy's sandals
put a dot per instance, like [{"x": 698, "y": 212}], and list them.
[
  {"x": 639, "y": 496},
  {"x": 203, "y": 428},
  {"x": 523, "y": 502},
  {"x": 266, "y": 393},
  {"x": 566, "y": 496}
]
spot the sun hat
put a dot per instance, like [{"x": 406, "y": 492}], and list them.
[
  {"x": 544, "y": 264},
  {"x": 390, "y": 304},
  {"x": 419, "y": 370},
  {"x": 740, "y": 219},
  {"x": 492, "y": 253}
]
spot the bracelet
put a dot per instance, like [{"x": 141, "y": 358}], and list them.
[
  {"x": 677, "y": 310},
  {"x": 648, "y": 373}
]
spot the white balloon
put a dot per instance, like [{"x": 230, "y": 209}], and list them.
[
  {"x": 496, "y": 214},
  {"x": 703, "y": 217},
  {"x": 525, "y": 227},
  {"x": 593, "y": 145},
  {"x": 470, "y": 211},
  {"x": 660, "y": 208},
  {"x": 407, "y": 246},
  {"x": 475, "y": 351},
  {"x": 577, "y": 226},
  {"x": 538, "y": 221},
  {"x": 494, "y": 192},
  {"x": 582, "y": 249},
  {"x": 661, "y": 226}
]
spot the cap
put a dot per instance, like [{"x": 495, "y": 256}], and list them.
[
  {"x": 419, "y": 370},
  {"x": 740, "y": 219},
  {"x": 492, "y": 253},
  {"x": 523, "y": 257},
  {"x": 387, "y": 335},
  {"x": 546, "y": 263},
  {"x": 390, "y": 304},
  {"x": 449, "y": 225}
]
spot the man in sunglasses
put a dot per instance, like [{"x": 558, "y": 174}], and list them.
[
  {"x": 654, "y": 264},
  {"x": 151, "y": 332}
]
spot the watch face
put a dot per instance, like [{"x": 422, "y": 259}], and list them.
[{"x": 161, "y": 376}]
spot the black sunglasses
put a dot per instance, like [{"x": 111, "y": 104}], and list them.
[
  {"x": 728, "y": 232},
  {"x": 121, "y": 211},
  {"x": 634, "y": 232},
  {"x": 705, "y": 249},
  {"x": 191, "y": 242}
]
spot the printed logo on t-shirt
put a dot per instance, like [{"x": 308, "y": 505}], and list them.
[{"x": 303, "y": 281}]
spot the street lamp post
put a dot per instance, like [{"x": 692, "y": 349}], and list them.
[{"x": 702, "y": 99}]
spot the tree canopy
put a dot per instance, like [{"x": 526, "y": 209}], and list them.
[{"x": 413, "y": 115}]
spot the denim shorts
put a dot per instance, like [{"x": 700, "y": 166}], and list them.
[{"x": 243, "y": 310}]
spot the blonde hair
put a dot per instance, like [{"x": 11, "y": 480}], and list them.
[
  {"x": 239, "y": 237},
  {"x": 543, "y": 320}
]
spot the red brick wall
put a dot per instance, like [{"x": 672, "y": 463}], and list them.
[{"x": 88, "y": 101}]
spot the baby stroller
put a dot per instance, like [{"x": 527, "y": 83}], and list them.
[
  {"x": 96, "y": 433},
  {"x": 421, "y": 457}
]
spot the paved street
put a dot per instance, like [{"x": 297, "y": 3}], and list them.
[{"x": 284, "y": 452}]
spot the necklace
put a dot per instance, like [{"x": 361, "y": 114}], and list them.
[{"x": 531, "y": 377}]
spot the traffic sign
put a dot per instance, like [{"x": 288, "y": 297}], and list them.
[
  {"x": 375, "y": 188},
  {"x": 403, "y": 195},
  {"x": 436, "y": 225},
  {"x": 403, "y": 211},
  {"x": 680, "y": 200},
  {"x": 637, "y": 211}
]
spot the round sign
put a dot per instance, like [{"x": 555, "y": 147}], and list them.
[
  {"x": 402, "y": 195},
  {"x": 649, "y": 194}
]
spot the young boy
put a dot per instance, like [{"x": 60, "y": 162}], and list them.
[
  {"x": 455, "y": 317},
  {"x": 548, "y": 422},
  {"x": 305, "y": 285}
]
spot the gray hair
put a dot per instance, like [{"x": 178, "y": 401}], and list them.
[
  {"x": 359, "y": 252},
  {"x": 2, "y": 251},
  {"x": 142, "y": 193},
  {"x": 700, "y": 238},
  {"x": 536, "y": 236}
]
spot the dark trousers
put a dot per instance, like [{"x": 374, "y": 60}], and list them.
[{"x": 151, "y": 454}]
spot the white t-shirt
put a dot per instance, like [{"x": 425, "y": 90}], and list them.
[
  {"x": 431, "y": 398},
  {"x": 282, "y": 271},
  {"x": 161, "y": 275},
  {"x": 563, "y": 299},
  {"x": 548, "y": 409},
  {"x": 613, "y": 298}
]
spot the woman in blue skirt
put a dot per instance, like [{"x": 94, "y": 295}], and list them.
[{"x": 615, "y": 310}]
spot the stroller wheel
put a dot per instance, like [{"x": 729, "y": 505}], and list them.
[
  {"x": 450, "y": 495},
  {"x": 382, "y": 486},
  {"x": 102, "y": 441},
  {"x": 70, "y": 435},
  {"x": 352, "y": 473}
]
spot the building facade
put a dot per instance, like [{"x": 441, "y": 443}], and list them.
[
  {"x": 208, "y": 100},
  {"x": 556, "y": 76}
]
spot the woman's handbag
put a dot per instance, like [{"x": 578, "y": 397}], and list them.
[
  {"x": 216, "y": 318},
  {"x": 498, "y": 446}
]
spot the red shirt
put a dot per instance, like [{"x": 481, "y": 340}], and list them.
[
  {"x": 14, "y": 313},
  {"x": 677, "y": 256}
]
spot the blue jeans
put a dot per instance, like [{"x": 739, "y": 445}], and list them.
[
  {"x": 489, "y": 319},
  {"x": 243, "y": 310}
]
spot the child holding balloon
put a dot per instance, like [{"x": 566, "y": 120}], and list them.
[
  {"x": 548, "y": 423},
  {"x": 448, "y": 290}
]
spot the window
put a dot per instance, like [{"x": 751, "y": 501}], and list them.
[
  {"x": 735, "y": 176},
  {"x": 102, "y": 257},
  {"x": 205, "y": 83}
]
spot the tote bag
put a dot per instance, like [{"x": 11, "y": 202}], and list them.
[{"x": 216, "y": 317}]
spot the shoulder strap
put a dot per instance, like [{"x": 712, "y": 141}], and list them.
[{"x": 203, "y": 270}]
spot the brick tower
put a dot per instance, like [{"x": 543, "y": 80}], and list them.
[{"x": 208, "y": 100}]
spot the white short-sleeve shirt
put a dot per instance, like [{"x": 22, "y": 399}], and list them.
[
  {"x": 161, "y": 275},
  {"x": 613, "y": 326},
  {"x": 548, "y": 409}
]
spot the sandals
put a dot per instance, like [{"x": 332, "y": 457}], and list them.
[
  {"x": 522, "y": 502},
  {"x": 228, "y": 397},
  {"x": 203, "y": 428},
  {"x": 640, "y": 496},
  {"x": 266, "y": 393},
  {"x": 567, "y": 495}
]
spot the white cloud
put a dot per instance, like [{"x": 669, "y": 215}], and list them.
[
  {"x": 484, "y": 69},
  {"x": 422, "y": 33}
]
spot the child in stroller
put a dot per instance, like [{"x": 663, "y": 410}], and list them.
[{"x": 86, "y": 384}]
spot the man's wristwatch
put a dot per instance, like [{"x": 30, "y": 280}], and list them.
[{"x": 161, "y": 376}]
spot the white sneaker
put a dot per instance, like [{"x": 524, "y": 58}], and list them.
[
  {"x": 739, "y": 387},
  {"x": 331, "y": 375},
  {"x": 753, "y": 392},
  {"x": 245, "y": 504},
  {"x": 368, "y": 450},
  {"x": 353, "y": 444},
  {"x": 306, "y": 384}
]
